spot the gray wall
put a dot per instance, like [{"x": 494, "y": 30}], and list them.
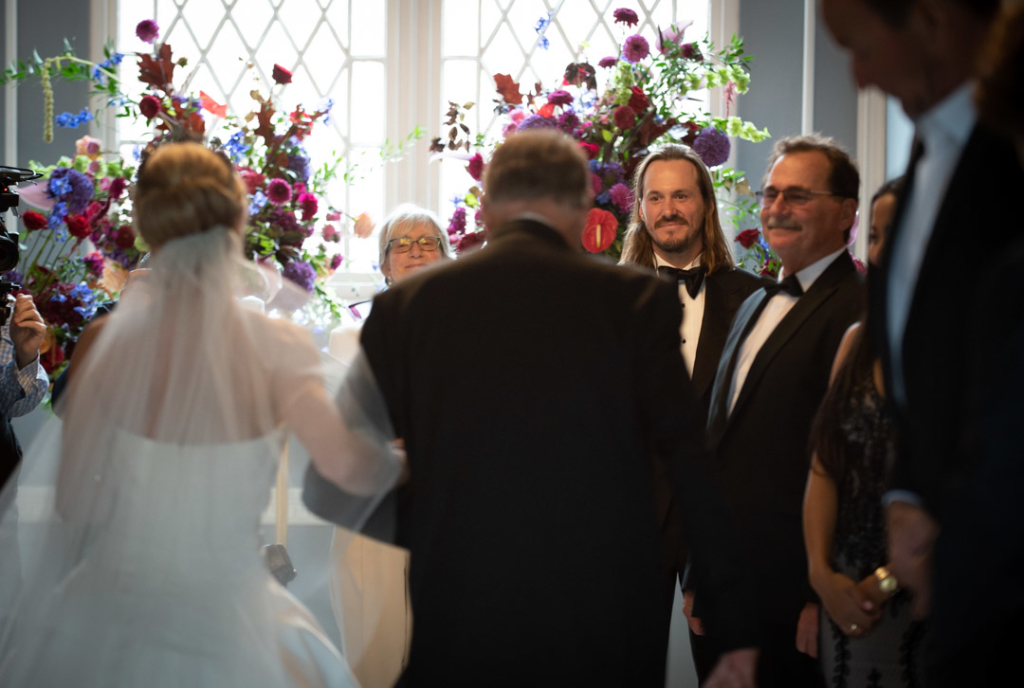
[{"x": 773, "y": 33}]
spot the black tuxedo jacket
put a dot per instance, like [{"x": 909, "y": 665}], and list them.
[
  {"x": 535, "y": 388},
  {"x": 761, "y": 448},
  {"x": 724, "y": 293},
  {"x": 960, "y": 445},
  {"x": 974, "y": 227}
]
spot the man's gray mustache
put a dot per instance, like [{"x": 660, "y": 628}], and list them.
[{"x": 782, "y": 224}]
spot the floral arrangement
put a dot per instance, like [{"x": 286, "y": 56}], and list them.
[
  {"x": 84, "y": 243},
  {"x": 644, "y": 104}
]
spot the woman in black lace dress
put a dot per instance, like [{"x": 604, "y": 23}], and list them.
[{"x": 867, "y": 638}]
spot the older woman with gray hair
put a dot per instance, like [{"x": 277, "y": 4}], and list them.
[{"x": 368, "y": 578}]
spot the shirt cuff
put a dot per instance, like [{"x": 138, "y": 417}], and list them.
[
  {"x": 28, "y": 375},
  {"x": 906, "y": 496}
]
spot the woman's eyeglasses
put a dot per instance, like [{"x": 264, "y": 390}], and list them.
[{"x": 404, "y": 244}]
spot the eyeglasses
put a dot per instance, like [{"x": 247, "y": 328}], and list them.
[
  {"x": 794, "y": 195},
  {"x": 404, "y": 244}
]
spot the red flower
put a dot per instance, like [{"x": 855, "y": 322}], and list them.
[
  {"x": 253, "y": 180},
  {"x": 125, "y": 237},
  {"x": 625, "y": 118},
  {"x": 638, "y": 101},
  {"x": 476, "y": 167},
  {"x": 149, "y": 106},
  {"x": 78, "y": 226},
  {"x": 601, "y": 230},
  {"x": 589, "y": 149},
  {"x": 281, "y": 75},
  {"x": 547, "y": 110},
  {"x": 52, "y": 358},
  {"x": 748, "y": 237},
  {"x": 307, "y": 203},
  {"x": 33, "y": 220},
  {"x": 116, "y": 188},
  {"x": 560, "y": 97},
  {"x": 470, "y": 240}
]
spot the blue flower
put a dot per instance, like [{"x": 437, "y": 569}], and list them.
[
  {"x": 543, "y": 23},
  {"x": 259, "y": 199},
  {"x": 57, "y": 214},
  {"x": 236, "y": 147},
  {"x": 543, "y": 43},
  {"x": 98, "y": 76},
  {"x": 70, "y": 121},
  {"x": 325, "y": 106},
  {"x": 603, "y": 197},
  {"x": 59, "y": 186},
  {"x": 112, "y": 61},
  {"x": 58, "y": 298},
  {"x": 61, "y": 235},
  {"x": 118, "y": 101}
]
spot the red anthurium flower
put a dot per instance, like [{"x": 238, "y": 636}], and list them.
[
  {"x": 281, "y": 75},
  {"x": 601, "y": 229},
  {"x": 212, "y": 106}
]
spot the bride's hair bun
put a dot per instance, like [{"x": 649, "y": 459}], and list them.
[{"x": 185, "y": 188}]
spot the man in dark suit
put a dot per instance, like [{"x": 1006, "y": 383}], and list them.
[
  {"x": 535, "y": 390},
  {"x": 934, "y": 351},
  {"x": 676, "y": 230},
  {"x": 773, "y": 374}
]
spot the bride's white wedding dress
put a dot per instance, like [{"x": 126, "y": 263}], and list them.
[
  {"x": 170, "y": 597},
  {"x": 148, "y": 570}
]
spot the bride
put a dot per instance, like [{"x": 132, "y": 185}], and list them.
[{"x": 148, "y": 572}]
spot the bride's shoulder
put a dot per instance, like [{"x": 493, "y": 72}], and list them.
[{"x": 276, "y": 334}]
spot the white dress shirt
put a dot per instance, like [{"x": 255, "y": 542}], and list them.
[
  {"x": 693, "y": 313},
  {"x": 944, "y": 130},
  {"x": 777, "y": 308}
]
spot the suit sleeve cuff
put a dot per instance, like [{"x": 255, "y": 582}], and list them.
[{"x": 905, "y": 496}]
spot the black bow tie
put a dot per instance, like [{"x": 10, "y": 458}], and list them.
[
  {"x": 790, "y": 285},
  {"x": 693, "y": 277}
]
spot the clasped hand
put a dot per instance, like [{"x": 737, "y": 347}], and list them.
[
  {"x": 853, "y": 607},
  {"x": 27, "y": 330}
]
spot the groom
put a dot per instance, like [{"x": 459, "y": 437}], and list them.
[{"x": 535, "y": 389}]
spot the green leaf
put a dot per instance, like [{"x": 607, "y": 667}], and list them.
[{"x": 607, "y": 135}]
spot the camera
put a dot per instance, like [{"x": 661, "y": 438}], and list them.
[{"x": 9, "y": 240}]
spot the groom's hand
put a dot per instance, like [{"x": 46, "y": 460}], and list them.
[{"x": 736, "y": 669}]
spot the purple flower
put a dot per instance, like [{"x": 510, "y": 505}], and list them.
[
  {"x": 299, "y": 164},
  {"x": 608, "y": 62},
  {"x": 712, "y": 146},
  {"x": 560, "y": 97},
  {"x": 568, "y": 121},
  {"x": 635, "y": 48},
  {"x": 625, "y": 16},
  {"x": 621, "y": 196},
  {"x": 535, "y": 122},
  {"x": 147, "y": 30},
  {"x": 14, "y": 276},
  {"x": 71, "y": 186},
  {"x": 610, "y": 173},
  {"x": 301, "y": 273},
  {"x": 457, "y": 225},
  {"x": 93, "y": 262},
  {"x": 336, "y": 261},
  {"x": 285, "y": 221}
]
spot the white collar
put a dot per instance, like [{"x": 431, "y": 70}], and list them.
[
  {"x": 659, "y": 261},
  {"x": 812, "y": 272},
  {"x": 953, "y": 117}
]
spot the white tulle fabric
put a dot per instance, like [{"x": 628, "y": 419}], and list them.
[{"x": 149, "y": 570}]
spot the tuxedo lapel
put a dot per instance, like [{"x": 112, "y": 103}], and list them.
[
  {"x": 744, "y": 320},
  {"x": 714, "y": 329},
  {"x": 820, "y": 292}
]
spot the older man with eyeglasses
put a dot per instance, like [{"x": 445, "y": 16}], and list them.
[{"x": 772, "y": 376}]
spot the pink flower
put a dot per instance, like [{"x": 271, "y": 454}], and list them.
[
  {"x": 281, "y": 75},
  {"x": 279, "y": 192},
  {"x": 333, "y": 216},
  {"x": 336, "y": 261},
  {"x": 470, "y": 240},
  {"x": 94, "y": 167},
  {"x": 517, "y": 115},
  {"x": 147, "y": 30},
  {"x": 625, "y": 16},
  {"x": 307, "y": 203},
  {"x": 560, "y": 97},
  {"x": 625, "y": 118},
  {"x": 748, "y": 237},
  {"x": 89, "y": 146},
  {"x": 476, "y": 167},
  {"x": 589, "y": 149},
  {"x": 509, "y": 129},
  {"x": 622, "y": 197},
  {"x": 671, "y": 36},
  {"x": 117, "y": 186},
  {"x": 608, "y": 62},
  {"x": 93, "y": 209},
  {"x": 330, "y": 233},
  {"x": 364, "y": 226},
  {"x": 859, "y": 264},
  {"x": 635, "y": 48},
  {"x": 93, "y": 262},
  {"x": 595, "y": 182}
]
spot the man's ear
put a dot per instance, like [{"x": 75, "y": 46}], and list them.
[{"x": 848, "y": 212}]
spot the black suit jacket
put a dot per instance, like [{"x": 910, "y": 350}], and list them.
[
  {"x": 761, "y": 448},
  {"x": 535, "y": 388},
  {"x": 960, "y": 446}
]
